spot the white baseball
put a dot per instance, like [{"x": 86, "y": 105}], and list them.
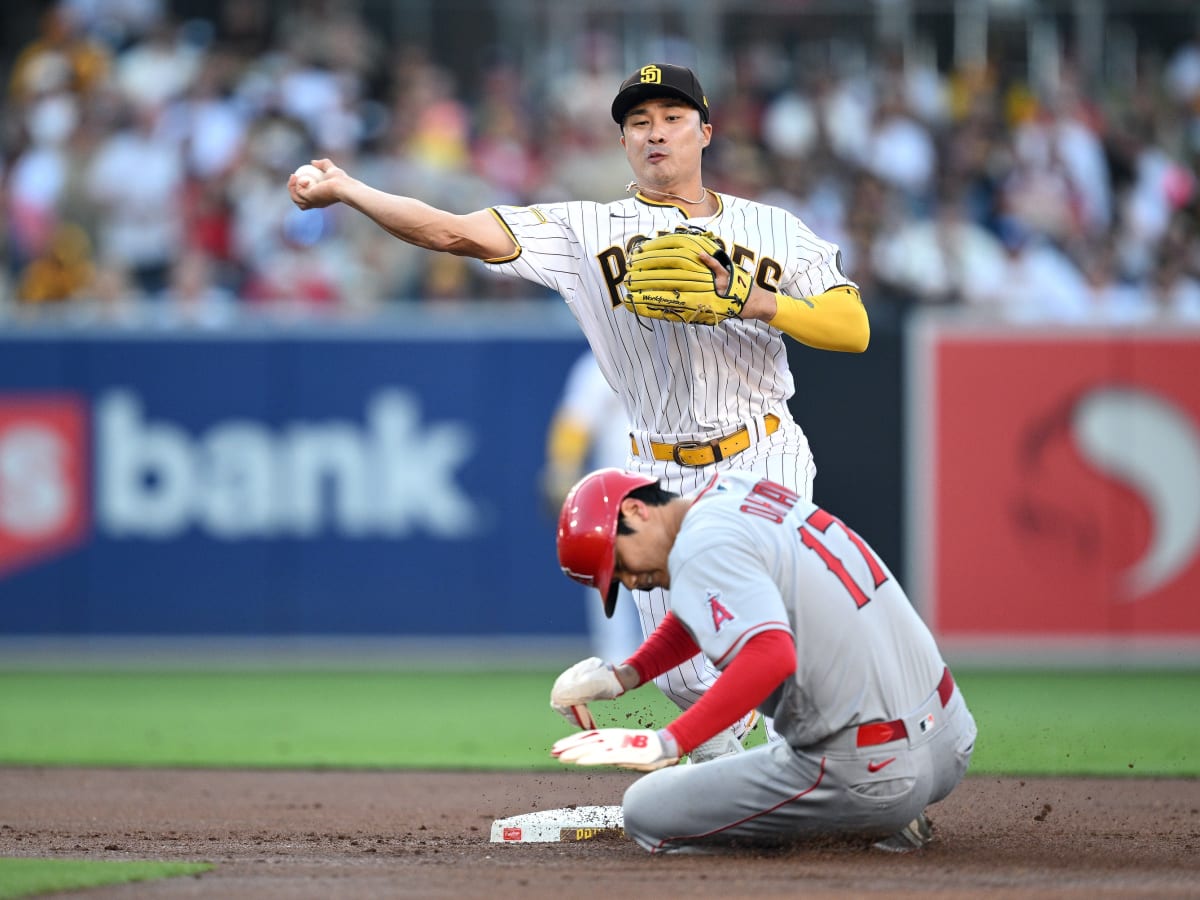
[{"x": 308, "y": 175}]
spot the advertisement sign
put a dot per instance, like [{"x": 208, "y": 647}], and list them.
[
  {"x": 252, "y": 485},
  {"x": 1056, "y": 487},
  {"x": 44, "y": 473}
]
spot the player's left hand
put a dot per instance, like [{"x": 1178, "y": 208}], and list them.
[
  {"x": 587, "y": 680},
  {"x": 685, "y": 276},
  {"x": 630, "y": 748}
]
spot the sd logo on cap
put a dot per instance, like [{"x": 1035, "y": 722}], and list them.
[{"x": 659, "y": 80}]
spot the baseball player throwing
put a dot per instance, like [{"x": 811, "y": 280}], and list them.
[
  {"x": 806, "y": 623},
  {"x": 684, "y": 295}
]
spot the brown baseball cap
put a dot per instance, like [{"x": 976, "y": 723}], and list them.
[{"x": 659, "y": 80}]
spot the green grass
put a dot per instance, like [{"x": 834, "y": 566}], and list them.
[
  {"x": 494, "y": 720},
  {"x": 1083, "y": 723},
  {"x": 25, "y": 877},
  {"x": 1060, "y": 723}
]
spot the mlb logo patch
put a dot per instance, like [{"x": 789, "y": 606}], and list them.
[
  {"x": 927, "y": 724},
  {"x": 43, "y": 476}
]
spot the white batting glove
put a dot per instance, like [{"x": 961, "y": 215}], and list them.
[
  {"x": 630, "y": 748},
  {"x": 590, "y": 679}
]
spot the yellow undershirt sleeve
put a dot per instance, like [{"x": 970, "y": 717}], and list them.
[
  {"x": 834, "y": 320},
  {"x": 567, "y": 443},
  {"x": 566, "y": 449}
]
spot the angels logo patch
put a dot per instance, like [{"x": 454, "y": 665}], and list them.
[{"x": 720, "y": 613}]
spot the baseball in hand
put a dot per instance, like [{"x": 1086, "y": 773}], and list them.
[{"x": 307, "y": 175}]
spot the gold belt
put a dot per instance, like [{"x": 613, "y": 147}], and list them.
[{"x": 704, "y": 453}]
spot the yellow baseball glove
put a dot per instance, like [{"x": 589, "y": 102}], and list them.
[{"x": 665, "y": 279}]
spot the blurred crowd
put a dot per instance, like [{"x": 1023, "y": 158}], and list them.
[{"x": 144, "y": 159}]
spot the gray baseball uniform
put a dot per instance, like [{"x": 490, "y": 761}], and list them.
[
  {"x": 682, "y": 382},
  {"x": 873, "y": 727}
]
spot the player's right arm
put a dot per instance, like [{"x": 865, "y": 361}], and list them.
[
  {"x": 477, "y": 234},
  {"x": 755, "y": 672},
  {"x": 833, "y": 320},
  {"x": 818, "y": 305}
]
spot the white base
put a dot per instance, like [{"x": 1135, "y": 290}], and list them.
[{"x": 579, "y": 824}]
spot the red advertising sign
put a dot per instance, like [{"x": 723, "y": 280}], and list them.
[
  {"x": 43, "y": 476},
  {"x": 1058, "y": 486}
]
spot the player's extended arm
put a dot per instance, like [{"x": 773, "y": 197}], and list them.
[
  {"x": 757, "y": 670},
  {"x": 477, "y": 234}
]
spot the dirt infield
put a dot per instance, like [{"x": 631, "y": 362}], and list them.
[{"x": 421, "y": 834}]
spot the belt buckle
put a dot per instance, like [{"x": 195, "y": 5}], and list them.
[{"x": 696, "y": 445}]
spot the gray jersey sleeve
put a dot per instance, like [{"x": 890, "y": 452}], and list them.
[
  {"x": 752, "y": 555},
  {"x": 723, "y": 594}
]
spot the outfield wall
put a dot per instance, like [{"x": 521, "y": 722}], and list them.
[
  {"x": 379, "y": 481},
  {"x": 1054, "y": 490},
  {"x": 357, "y": 480}
]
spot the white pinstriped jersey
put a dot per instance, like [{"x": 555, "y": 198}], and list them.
[{"x": 677, "y": 382}]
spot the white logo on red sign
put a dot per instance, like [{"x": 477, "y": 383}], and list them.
[
  {"x": 43, "y": 477},
  {"x": 1144, "y": 441}
]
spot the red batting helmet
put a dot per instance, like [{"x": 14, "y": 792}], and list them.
[{"x": 587, "y": 529}]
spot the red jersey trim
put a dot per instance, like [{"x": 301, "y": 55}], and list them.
[
  {"x": 705, "y": 490},
  {"x": 758, "y": 629}
]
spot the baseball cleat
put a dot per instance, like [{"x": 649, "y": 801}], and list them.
[
  {"x": 744, "y": 726},
  {"x": 913, "y": 836},
  {"x": 728, "y": 741},
  {"x": 723, "y": 743}
]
